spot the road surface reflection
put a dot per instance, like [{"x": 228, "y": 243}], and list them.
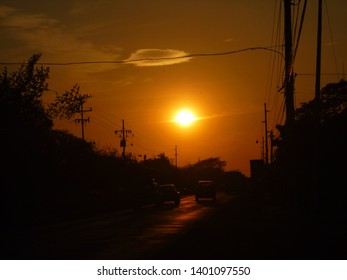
[{"x": 130, "y": 234}]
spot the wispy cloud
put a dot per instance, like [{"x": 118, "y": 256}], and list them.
[
  {"x": 157, "y": 57},
  {"x": 40, "y": 33}
]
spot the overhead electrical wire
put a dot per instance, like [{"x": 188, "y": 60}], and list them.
[
  {"x": 101, "y": 119},
  {"x": 300, "y": 30},
  {"x": 102, "y": 114},
  {"x": 272, "y": 60},
  {"x": 331, "y": 39},
  {"x": 276, "y": 64},
  {"x": 280, "y": 114},
  {"x": 101, "y": 123},
  {"x": 126, "y": 61},
  {"x": 144, "y": 147},
  {"x": 295, "y": 17},
  {"x": 296, "y": 35},
  {"x": 146, "y": 138},
  {"x": 313, "y": 74}
]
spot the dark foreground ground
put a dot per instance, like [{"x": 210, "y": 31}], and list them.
[{"x": 247, "y": 229}]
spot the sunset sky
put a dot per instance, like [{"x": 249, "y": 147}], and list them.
[{"x": 225, "y": 93}]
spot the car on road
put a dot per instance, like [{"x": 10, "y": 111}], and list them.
[
  {"x": 167, "y": 193},
  {"x": 205, "y": 189}
]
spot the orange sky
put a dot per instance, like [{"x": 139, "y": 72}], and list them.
[{"x": 227, "y": 93}]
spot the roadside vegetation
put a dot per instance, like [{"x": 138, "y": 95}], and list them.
[
  {"x": 49, "y": 175},
  {"x": 308, "y": 176}
]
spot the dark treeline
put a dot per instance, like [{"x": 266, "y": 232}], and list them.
[
  {"x": 49, "y": 175},
  {"x": 309, "y": 174}
]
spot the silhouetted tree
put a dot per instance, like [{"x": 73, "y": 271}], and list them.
[
  {"x": 310, "y": 152},
  {"x": 211, "y": 163},
  {"x": 160, "y": 168},
  {"x": 21, "y": 107},
  {"x": 207, "y": 169},
  {"x": 24, "y": 124},
  {"x": 68, "y": 104}
]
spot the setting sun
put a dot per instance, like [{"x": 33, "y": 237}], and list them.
[{"x": 184, "y": 117}]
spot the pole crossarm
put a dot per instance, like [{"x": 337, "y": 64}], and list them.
[
  {"x": 124, "y": 135},
  {"x": 83, "y": 120}
]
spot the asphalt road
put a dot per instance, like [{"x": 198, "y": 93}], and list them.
[
  {"x": 232, "y": 228},
  {"x": 145, "y": 233}
]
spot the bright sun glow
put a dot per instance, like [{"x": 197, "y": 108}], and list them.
[{"x": 184, "y": 117}]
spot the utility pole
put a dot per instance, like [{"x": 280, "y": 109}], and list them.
[
  {"x": 314, "y": 198},
  {"x": 124, "y": 134},
  {"x": 319, "y": 48},
  {"x": 176, "y": 154},
  {"x": 262, "y": 150},
  {"x": 271, "y": 146},
  {"x": 82, "y": 120},
  {"x": 266, "y": 157},
  {"x": 289, "y": 73}
]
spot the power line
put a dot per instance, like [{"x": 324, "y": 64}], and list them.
[
  {"x": 275, "y": 62},
  {"x": 331, "y": 38},
  {"x": 147, "y": 139},
  {"x": 126, "y": 61},
  {"x": 143, "y": 147},
  {"x": 103, "y": 124},
  {"x": 279, "y": 114},
  {"x": 273, "y": 59},
  {"x": 266, "y": 158},
  {"x": 135, "y": 140},
  {"x": 106, "y": 118},
  {"x": 289, "y": 75},
  {"x": 300, "y": 29},
  {"x": 312, "y": 74}
]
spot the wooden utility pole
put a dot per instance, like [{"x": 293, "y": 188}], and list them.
[
  {"x": 266, "y": 157},
  {"x": 319, "y": 48},
  {"x": 262, "y": 150},
  {"x": 124, "y": 134},
  {"x": 82, "y": 120},
  {"x": 271, "y": 146},
  {"x": 314, "y": 199},
  {"x": 289, "y": 74}
]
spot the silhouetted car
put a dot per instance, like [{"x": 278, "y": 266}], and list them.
[
  {"x": 168, "y": 192},
  {"x": 205, "y": 189}
]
